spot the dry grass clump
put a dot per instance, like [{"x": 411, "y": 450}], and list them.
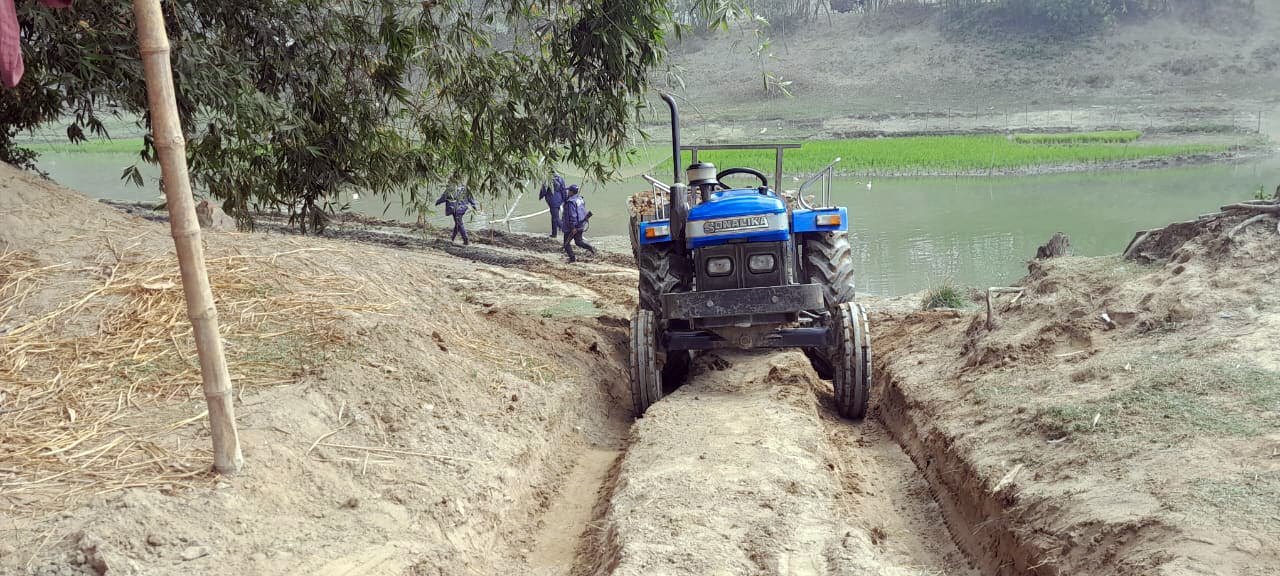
[{"x": 93, "y": 391}]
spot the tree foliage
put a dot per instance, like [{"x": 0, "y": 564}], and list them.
[{"x": 288, "y": 102}]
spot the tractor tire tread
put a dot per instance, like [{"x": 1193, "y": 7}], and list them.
[
  {"x": 662, "y": 270},
  {"x": 852, "y": 360},
  {"x": 828, "y": 259},
  {"x": 646, "y": 377}
]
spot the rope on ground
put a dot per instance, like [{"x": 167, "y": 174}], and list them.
[{"x": 526, "y": 216}]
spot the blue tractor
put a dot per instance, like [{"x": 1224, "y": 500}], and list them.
[{"x": 726, "y": 267}]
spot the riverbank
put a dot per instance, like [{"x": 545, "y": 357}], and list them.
[
  {"x": 423, "y": 408},
  {"x": 913, "y": 234},
  {"x": 1117, "y": 416}
]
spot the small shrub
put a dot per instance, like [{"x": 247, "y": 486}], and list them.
[
  {"x": 944, "y": 296},
  {"x": 569, "y": 308}
]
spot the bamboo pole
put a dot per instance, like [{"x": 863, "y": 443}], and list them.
[{"x": 170, "y": 146}]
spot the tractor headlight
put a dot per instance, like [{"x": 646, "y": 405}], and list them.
[
  {"x": 719, "y": 266},
  {"x": 761, "y": 263}
]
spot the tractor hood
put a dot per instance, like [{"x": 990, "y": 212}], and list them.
[{"x": 738, "y": 214}]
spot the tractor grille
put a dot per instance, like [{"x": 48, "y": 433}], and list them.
[{"x": 710, "y": 261}]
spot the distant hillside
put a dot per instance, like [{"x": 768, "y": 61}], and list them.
[{"x": 911, "y": 71}]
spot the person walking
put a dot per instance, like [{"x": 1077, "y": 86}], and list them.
[
  {"x": 575, "y": 222},
  {"x": 554, "y": 194},
  {"x": 455, "y": 204}
]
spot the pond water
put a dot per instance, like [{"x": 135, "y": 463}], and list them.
[{"x": 909, "y": 233}]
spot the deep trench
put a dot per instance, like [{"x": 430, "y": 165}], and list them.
[
  {"x": 897, "y": 458},
  {"x": 978, "y": 522}
]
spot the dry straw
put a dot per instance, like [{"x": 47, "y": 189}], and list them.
[{"x": 102, "y": 392}]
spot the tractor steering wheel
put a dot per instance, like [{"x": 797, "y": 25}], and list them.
[{"x": 764, "y": 182}]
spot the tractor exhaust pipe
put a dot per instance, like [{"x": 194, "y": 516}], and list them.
[
  {"x": 679, "y": 194},
  {"x": 675, "y": 136}
]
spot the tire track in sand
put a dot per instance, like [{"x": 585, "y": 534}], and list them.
[
  {"x": 564, "y": 525},
  {"x": 741, "y": 472}
]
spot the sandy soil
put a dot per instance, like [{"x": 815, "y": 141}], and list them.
[
  {"x": 741, "y": 471},
  {"x": 448, "y": 423},
  {"x": 412, "y": 407},
  {"x": 1058, "y": 444},
  {"x": 465, "y": 412}
]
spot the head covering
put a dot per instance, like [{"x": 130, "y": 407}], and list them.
[
  {"x": 573, "y": 188},
  {"x": 11, "y": 67}
]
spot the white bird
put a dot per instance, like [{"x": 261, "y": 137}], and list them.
[
  {"x": 763, "y": 130},
  {"x": 868, "y": 183},
  {"x": 355, "y": 196}
]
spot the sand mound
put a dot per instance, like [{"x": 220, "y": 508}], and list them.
[
  {"x": 390, "y": 420},
  {"x": 1119, "y": 416}
]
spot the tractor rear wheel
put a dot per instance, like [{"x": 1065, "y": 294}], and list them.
[
  {"x": 851, "y": 359},
  {"x": 828, "y": 260},
  {"x": 646, "y": 376},
  {"x": 663, "y": 269}
]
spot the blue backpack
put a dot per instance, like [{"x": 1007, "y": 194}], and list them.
[{"x": 557, "y": 184}]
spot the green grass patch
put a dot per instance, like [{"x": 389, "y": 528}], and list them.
[
  {"x": 120, "y": 146},
  {"x": 938, "y": 154},
  {"x": 1251, "y": 497},
  {"x": 1172, "y": 397},
  {"x": 571, "y": 307},
  {"x": 946, "y": 295},
  {"x": 1113, "y": 137}
]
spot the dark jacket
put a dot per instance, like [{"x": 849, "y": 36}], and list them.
[
  {"x": 553, "y": 196},
  {"x": 575, "y": 212},
  {"x": 453, "y": 205}
]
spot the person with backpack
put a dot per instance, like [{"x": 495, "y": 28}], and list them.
[
  {"x": 554, "y": 194},
  {"x": 455, "y": 204},
  {"x": 575, "y": 222}
]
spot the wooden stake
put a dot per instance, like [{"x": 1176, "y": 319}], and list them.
[
  {"x": 998, "y": 290},
  {"x": 153, "y": 42}
]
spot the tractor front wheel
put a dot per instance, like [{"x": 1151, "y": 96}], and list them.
[
  {"x": 851, "y": 360},
  {"x": 646, "y": 375},
  {"x": 663, "y": 269}
]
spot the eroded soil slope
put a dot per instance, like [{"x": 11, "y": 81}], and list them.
[
  {"x": 1145, "y": 442},
  {"x": 400, "y": 411},
  {"x": 405, "y": 407}
]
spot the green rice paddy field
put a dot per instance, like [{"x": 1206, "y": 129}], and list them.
[
  {"x": 946, "y": 154},
  {"x": 881, "y": 156}
]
